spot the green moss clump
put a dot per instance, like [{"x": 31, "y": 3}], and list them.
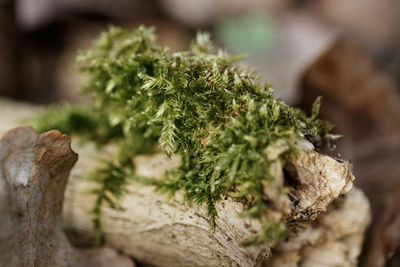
[{"x": 194, "y": 103}]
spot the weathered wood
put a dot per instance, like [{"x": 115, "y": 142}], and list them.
[
  {"x": 160, "y": 232},
  {"x": 333, "y": 239},
  {"x": 33, "y": 174},
  {"x": 181, "y": 234},
  {"x": 168, "y": 233}
]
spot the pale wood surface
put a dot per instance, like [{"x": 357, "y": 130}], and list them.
[{"x": 168, "y": 233}]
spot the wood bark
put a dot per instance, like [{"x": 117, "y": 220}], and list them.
[{"x": 169, "y": 233}]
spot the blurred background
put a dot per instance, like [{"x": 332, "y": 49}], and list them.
[
  {"x": 346, "y": 51},
  {"x": 40, "y": 39}
]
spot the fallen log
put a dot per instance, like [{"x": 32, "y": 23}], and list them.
[
  {"x": 168, "y": 233},
  {"x": 181, "y": 234}
]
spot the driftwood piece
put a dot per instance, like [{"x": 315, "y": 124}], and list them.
[
  {"x": 160, "y": 232},
  {"x": 168, "y": 233},
  {"x": 181, "y": 234},
  {"x": 33, "y": 174}
]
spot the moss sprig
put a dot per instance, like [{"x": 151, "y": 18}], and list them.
[{"x": 198, "y": 103}]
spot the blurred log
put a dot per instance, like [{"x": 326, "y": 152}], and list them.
[
  {"x": 168, "y": 233},
  {"x": 33, "y": 174},
  {"x": 364, "y": 104}
]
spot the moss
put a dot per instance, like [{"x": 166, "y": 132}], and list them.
[{"x": 196, "y": 103}]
